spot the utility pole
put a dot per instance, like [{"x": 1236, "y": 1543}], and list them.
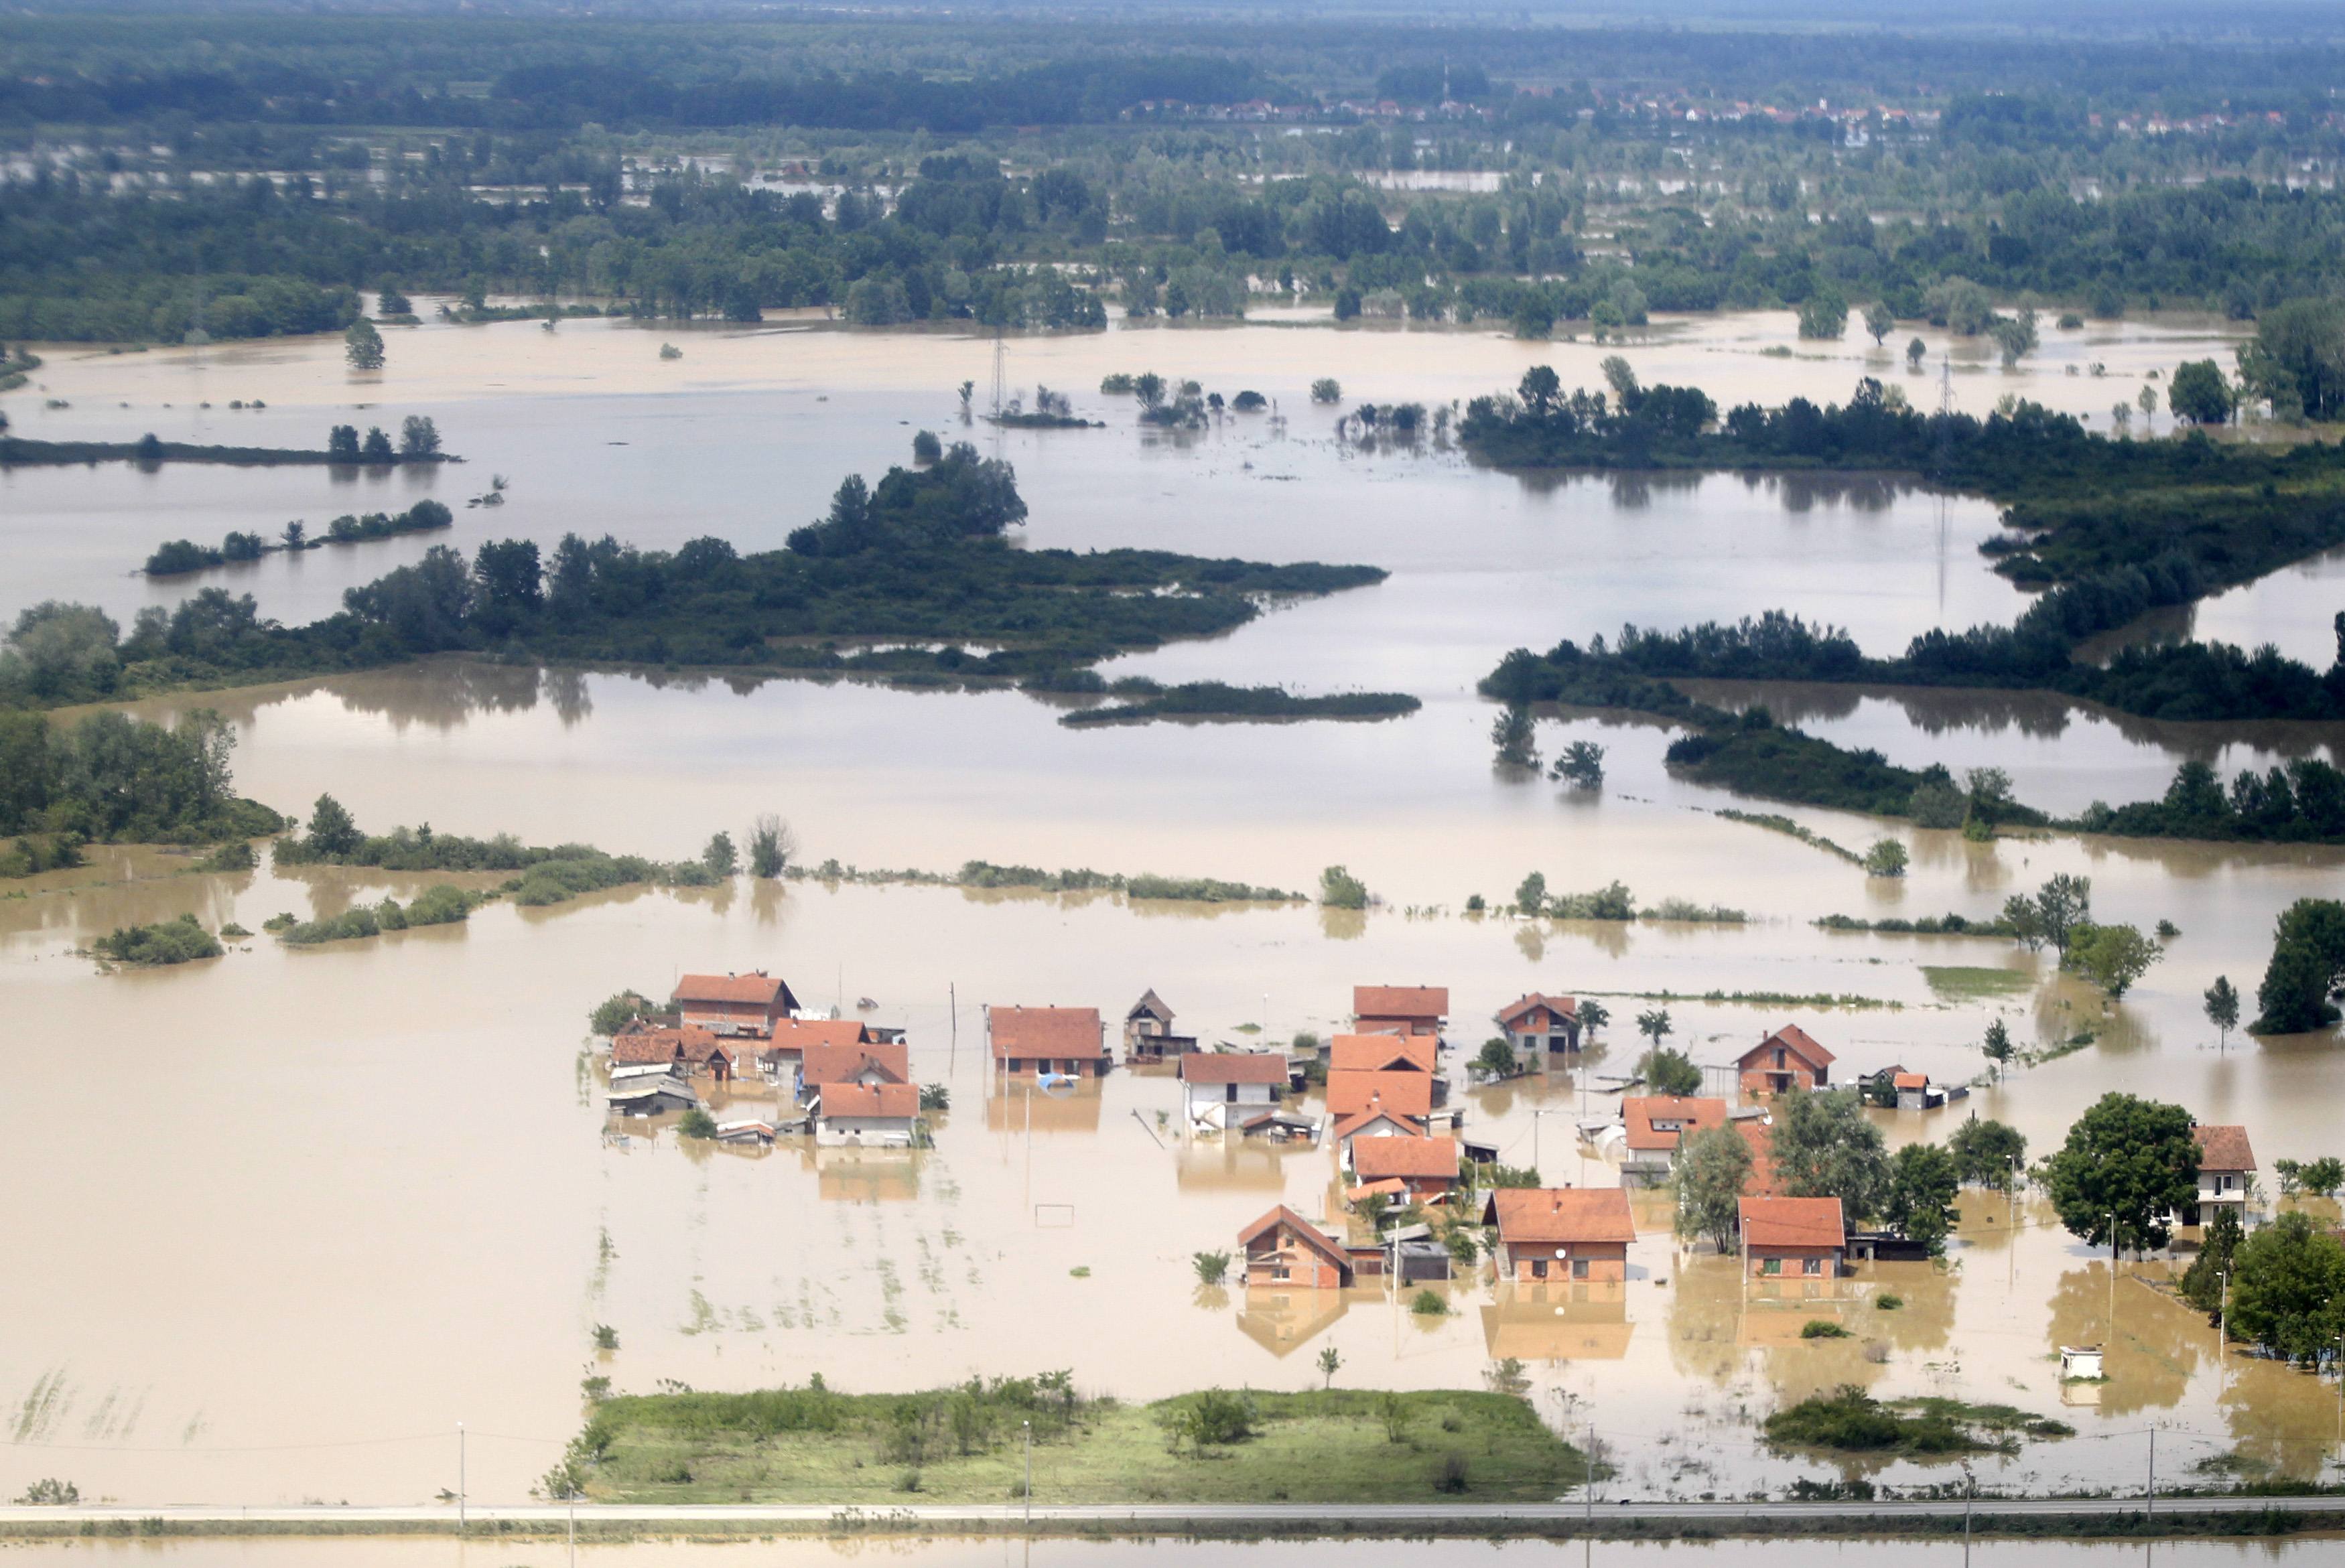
[
  {"x": 1591, "y": 1467},
  {"x": 2153, "y": 1471},
  {"x": 1001, "y": 352},
  {"x": 1029, "y": 1475},
  {"x": 459, "y": 1478},
  {"x": 573, "y": 1524}
]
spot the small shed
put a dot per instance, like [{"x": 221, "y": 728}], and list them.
[{"x": 2079, "y": 1363}]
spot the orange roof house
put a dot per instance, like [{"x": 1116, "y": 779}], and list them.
[
  {"x": 1787, "y": 1059},
  {"x": 889, "y": 1100},
  {"x": 1070, "y": 1040},
  {"x": 1426, "y": 1168},
  {"x": 1399, "y": 1010},
  {"x": 748, "y": 1004},
  {"x": 1658, "y": 1126},
  {"x": 1406, "y": 1094},
  {"x": 1380, "y": 1054},
  {"x": 869, "y": 1062},
  {"x": 691, "y": 1048},
  {"x": 1569, "y": 1233},
  {"x": 2226, "y": 1166},
  {"x": 1540, "y": 1022},
  {"x": 867, "y": 1115},
  {"x": 1806, "y": 1238},
  {"x": 1285, "y": 1250}
]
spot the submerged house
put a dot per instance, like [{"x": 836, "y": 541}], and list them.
[
  {"x": 1797, "y": 1238},
  {"x": 2227, "y": 1168},
  {"x": 781, "y": 1055},
  {"x": 1069, "y": 1040},
  {"x": 734, "y": 1005},
  {"x": 1418, "y": 1169},
  {"x": 868, "y": 1116},
  {"x": 1578, "y": 1233},
  {"x": 1389, "y": 1054},
  {"x": 1400, "y": 1009},
  {"x": 687, "y": 1051},
  {"x": 868, "y": 1064},
  {"x": 1215, "y": 1085},
  {"x": 1378, "y": 1105},
  {"x": 1787, "y": 1059},
  {"x": 649, "y": 1089},
  {"x": 1657, "y": 1127},
  {"x": 1285, "y": 1250},
  {"x": 1148, "y": 1034},
  {"x": 1537, "y": 1025}
]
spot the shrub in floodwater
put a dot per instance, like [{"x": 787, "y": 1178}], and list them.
[
  {"x": 1339, "y": 889},
  {"x": 606, "y": 1337},
  {"x": 1211, "y": 1267},
  {"x": 1888, "y": 1301},
  {"x": 177, "y": 941},
  {"x": 49, "y": 1492},
  {"x": 1430, "y": 1304},
  {"x": 696, "y": 1123},
  {"x": 1822, "y": 1328}
]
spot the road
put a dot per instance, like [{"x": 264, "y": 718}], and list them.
[{"x": 1353, "y": 1517}]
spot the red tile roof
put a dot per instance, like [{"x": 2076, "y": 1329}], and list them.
[
  {"x": 690, "y": 1043},
  {"x": 1760, "y": 1136},
  {"x": 1567, "y": 1006},
  {"x": 1233, "y": 1068},
  {"x": 1639, "y": 1112},
  {"x": 1911, "y": 1081},
  {"x": 1310, "y": 1235},
  {"x": 1796, "y": 1040},
  {"x": 2224, "y": 1148},
  {"x": 1374, "y": 1158},
  {"x": 1400, "y": 1001},
  {"x": 756, "y": 987},
  {"x": 1049, "y": 1034},
  {"x": 1379, "y": 1053},
  {"x": 797, "y": 1034},
  {"x": 824, "y": 1064},
  {"x": 1346, "y": 1126},
  {"x": 1562, "y": 1216},
  {"x": 1793, "y": 1222},
  {"x": 886, "y": 1101},
  {"x": 1401, "y": 1093}
]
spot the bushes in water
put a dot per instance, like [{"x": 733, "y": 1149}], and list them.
[
  {"x": 37, "y": 852},
  {"x": 442, "y": 903},
  {"x": 177, "y": 941}
]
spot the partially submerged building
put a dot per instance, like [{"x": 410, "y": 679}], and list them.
[
  {"x": 1795, "y": 1238},
  {"x": 1400, "y": 1009},
  {"x": 1418, "y": 1169},
  {"x": 2227, "y": 1169},
  {"x": 1070, "y": 1041},
  {"x": 1538, "y": 1025},
  {"x": 1788, "y": 1059},
  {"x": 1578, "y": 1233},
  {"x": 1286, "y": 1250},
  {"x": 1657, "y": 1127},
  {"x": 1148, "y": 1036},
  {"x": 869, "y": 1115},
  {"x": 1222, "y": 1086},
  {"x": 735, "y": 1006}
]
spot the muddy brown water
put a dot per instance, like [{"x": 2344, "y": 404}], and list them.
[{"x": 294, "y": 1215}]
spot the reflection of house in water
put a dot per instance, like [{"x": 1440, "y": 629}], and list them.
[
  {"x": 1281, "y": 1321},
  {"x": 1076, "y": 1110},
  {"x": 1231, "y": 1165},
  {"x": 1586, "y": 1322},
  {"x": 866, "y": 1175}
]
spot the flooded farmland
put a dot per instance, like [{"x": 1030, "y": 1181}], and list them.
[{"x": 296, "y": 1214}]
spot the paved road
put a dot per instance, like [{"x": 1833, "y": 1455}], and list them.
[{"x": 1787, "y": 1516}]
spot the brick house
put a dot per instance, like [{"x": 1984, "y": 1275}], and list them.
[
  {"x": 1285, "y": 1250},
  {"x": 1786, "y": 1060},
  {"x": 1557, "y": 1233},
  {"x": 867, "y": 1063},
  {"x": 1399, "y": 1010},
  {"x": 689, "y": 1051},
  {"x": 1148, "y": 1034},
  {"x": 1658, "y": 1126},
  {"x": 780, "y": 1055},
  {"x": 1070, "y": 1040},
  {"x": 1426, "y": 1169},
  {"x": 2226, "y": 1166},
  {"x": 1792, "y": 1238},
  {"x": 750, "y": 1004},
  {"x": 880, "y": 1114},
  {"x": 1539, "y": 1024}
]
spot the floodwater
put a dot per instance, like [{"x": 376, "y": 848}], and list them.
[
  {"x": 951, "y": 1553},
  {"x": 296, "y": 1214}
]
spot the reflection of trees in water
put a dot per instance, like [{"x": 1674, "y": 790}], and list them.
[
  {"x": 442, "y": 694},
  {"x": 1343, "y": 924},
  {"x": 2280, "y": 1417},
  {"x": 2156, "y": 1345},
  {"x": 1703, "y": 1306}
]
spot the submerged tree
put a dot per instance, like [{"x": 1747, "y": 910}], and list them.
[
  {"x": 1712, "y": 1166},
  {"x": 1824, "y": 1146},
  {"x": 362, "y": 346},
  {"x": 772, "y": 847},
  {"x": 1670, "y": 1072},
  {"x": 1514, "y": 736},
  {"x": 1987, "y": 1153},
  {"x": 1339, "y": 889},
  {"x": 1581, "y": 766},
  {"x": 1923, "y": 1182},
  {"x": 2128, "y": 1167},
  {"x": 2223, "y": 1009}
]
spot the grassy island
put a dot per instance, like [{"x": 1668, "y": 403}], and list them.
[{"x": 964, "y": 1444}]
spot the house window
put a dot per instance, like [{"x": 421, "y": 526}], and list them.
[
  {"x": 1579, "y": 1267},
  {"x": 1230, "y": 1092},
  {"x": 1770, "y": 1265},
  {"x": 1812, "y": 1265},
  {"x": 1278, "y": 1271},
  {"x": 1538, "y": 1268}
]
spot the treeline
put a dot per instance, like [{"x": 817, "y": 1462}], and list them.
[
  {"x": 917, "y": 561},
  {"x": 180, "y": 556},
  {"x": 111, "y": 776},
  {"x": 2118, "y": 528}
]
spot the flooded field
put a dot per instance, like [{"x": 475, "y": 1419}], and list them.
[{"x": 296, "y": 1214}]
